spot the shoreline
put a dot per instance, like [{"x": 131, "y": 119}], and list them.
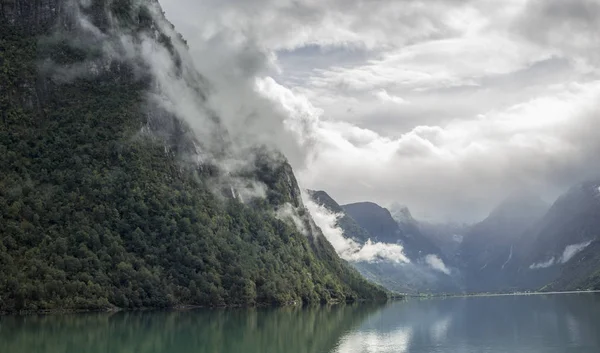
[
  {"x": 500, "y": 294},
  {"x": 113, "y": 310}
]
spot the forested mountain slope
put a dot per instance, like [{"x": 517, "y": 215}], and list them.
[{"x": 108, "y": 198}]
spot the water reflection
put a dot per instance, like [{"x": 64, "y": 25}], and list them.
[
  {"x": 372, "y": 341},
  {"x": 530, "y": 324},
  {"x": 526, "y": 324},
  {"x": 290, "y": 330}
]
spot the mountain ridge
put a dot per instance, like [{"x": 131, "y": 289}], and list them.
[
  {"x": 109, "y": 198},
  {"x": 422, "y": 268}
]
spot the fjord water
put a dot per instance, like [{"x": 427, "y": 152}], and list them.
[{"x": 534, "y": 323}]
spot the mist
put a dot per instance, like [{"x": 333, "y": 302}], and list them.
[
  {"x": 437, "y": 264},
  {"x": 572, "y": 250},
  {"x": 347, "y": 248}
]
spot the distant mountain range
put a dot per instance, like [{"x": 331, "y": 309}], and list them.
[
  {"x": 524, "y": 244},
  {"x": 491, "y": 247}
]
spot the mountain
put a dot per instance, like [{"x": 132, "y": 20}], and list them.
[
  {"x": 382, "y": 227},
  {"x": 401, "y": 214},
  {"x": 491, "y": 247},
  {"x": 420, "y": 266},
  {"x": 376, "y": 220},
  {"x": 448, "y": 237},
  {"x": 413, "y": 237},
  {"x": 524, "y": 244},
  {"x": 109, "y": 197},
  {"x": 351, "y": 228},
  {"x": 563, "y": 248}
]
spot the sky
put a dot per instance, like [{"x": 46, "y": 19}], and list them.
[{"x": 446, "y": 106}]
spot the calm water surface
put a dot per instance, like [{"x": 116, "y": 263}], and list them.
[{"x": 528, "y": 324}]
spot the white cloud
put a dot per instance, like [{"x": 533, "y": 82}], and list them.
[
  {"x": 540, "y": 265},
  {"x": 568, "y": 253},
  {"x": 384, "y": 96},
  {"x": 347, "y": 248},
  {"x": 279, "y": 24},
  {"x": 375, "y": 252},
  {"x": 287, "y": 212},
  {"x": 572, "y": 250},
  {"x": 437, "y": 264},
  {"x": 464, "y": 95},
  {"x": 535, "y": 144}
]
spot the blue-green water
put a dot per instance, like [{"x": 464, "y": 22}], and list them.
[{"x": 540, "y": 323}]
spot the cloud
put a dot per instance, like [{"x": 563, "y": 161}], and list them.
[
  {"x": 437, "y": 264},
  {"x": 287, "y": 212},
  {"x": 347, "y": 248},
  {"x": 540, "y": 265},
  {"x": 568, "y": 253},
  {"x": 385, "y": 97},
  {"x": 572, "y": 250},
  {"x": 568, "y": 27},
  {"x": 539, "y": 144},
  {"x": 291, "y": 24},
  {"x": 433, "y": 117},
  {"x": 375, "y": 252}
]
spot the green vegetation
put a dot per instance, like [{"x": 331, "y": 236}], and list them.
[{"x": 94, "y": 215}]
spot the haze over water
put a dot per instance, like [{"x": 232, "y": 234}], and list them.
[{"x": 529, "y": 324}]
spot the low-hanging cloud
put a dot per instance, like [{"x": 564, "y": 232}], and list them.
[
  {"x": 287, "y": 212},
  {"x": 540, "y": 265},
  {"x": 347, "y": 248},
  {"x": 572, "y": 250},
  {"x": 568, "y": 253},
  {"x": 216, "y": 129},
  {"x": 437, "y": 264}
]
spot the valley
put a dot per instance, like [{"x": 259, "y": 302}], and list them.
[{"x": 126, "y": 185}]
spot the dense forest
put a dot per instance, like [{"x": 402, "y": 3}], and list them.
[{"x": 95, "y": 214}]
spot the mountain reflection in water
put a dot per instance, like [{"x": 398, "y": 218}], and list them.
[{"x": 529, "y": 324}]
